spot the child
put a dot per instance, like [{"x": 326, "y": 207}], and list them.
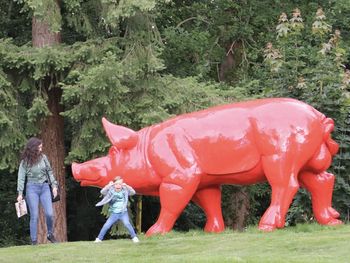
[{"x": 116, "y": 194}]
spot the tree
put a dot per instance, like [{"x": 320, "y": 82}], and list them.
[
  {"x": 52, "y": 128},
  {"x": 46, "y": 16}
]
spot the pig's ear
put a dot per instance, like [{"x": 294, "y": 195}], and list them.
[{"x": 121, "y": 137}]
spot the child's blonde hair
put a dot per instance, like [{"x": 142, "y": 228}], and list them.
[{"x": 118, "y": 180}]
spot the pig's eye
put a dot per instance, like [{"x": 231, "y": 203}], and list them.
[
  {"x": 113, "y": 150},
  {"x": 100, "y": 170}
]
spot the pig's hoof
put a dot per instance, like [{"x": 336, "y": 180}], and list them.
[
  {"x": 213, "y": 229},
  {"x": 156, "y": 230},
  {"x": 333, "y": 212},
  {"x": 266, "y": 228},
  {"x": 334, "y": 222}
]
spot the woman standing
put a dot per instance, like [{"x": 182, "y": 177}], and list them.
[{"x": 35, "y": 169}]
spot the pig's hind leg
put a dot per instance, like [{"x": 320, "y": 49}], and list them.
[
  {"x": 321, "y": 188},
  {"x": 281, "y": 172},
  {"x": 209, "y": 199}
]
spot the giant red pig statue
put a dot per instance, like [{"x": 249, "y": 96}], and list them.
[{"x": 283, "y": 141}]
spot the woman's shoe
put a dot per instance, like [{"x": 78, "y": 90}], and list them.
[{"x": 51, "y": 238}]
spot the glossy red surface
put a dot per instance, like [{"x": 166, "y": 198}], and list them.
[{"x": 283, "y": 141}]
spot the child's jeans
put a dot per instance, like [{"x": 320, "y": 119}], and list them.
[{"x": 113, "y": 218}]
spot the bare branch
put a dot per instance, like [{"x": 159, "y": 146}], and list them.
[
  {"x": 191, "y": 18},
  {"x": 231, "y": 48}
]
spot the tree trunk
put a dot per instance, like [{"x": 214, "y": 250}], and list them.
[
  {"x": 236, "y": 207},
  {"x": 242, "y": 204},
  {"x": 41, "y": 34},
  {"x": 52, "y": 134},
  {"x": 231, "y": 61}
]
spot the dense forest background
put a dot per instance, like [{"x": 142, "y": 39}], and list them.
[{"x": 66, "y": 63}]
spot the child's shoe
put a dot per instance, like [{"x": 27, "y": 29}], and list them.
[
  {"x": 97, "y": 240},
  {"x": 135, "y": 240}
]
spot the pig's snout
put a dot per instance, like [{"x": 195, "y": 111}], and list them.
[{"x": 91, "y": 173}]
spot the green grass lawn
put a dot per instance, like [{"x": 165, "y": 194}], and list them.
[{"x": 303, "y": 243}]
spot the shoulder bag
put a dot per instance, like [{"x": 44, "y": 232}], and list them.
[{"x": 57, "y": 198}]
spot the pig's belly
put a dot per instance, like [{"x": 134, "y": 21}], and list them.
[{"x": 253, "y": 176}]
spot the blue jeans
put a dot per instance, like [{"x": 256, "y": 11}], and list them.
[
  {"x": 113, "y": 218},
  {"x": 34, "y": 194}
]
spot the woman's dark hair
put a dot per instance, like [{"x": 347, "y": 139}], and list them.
[{"x": 31, "y": 153}]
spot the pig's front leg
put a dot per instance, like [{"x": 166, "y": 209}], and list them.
[
  {"x": 173, "y": 199},
  {"x": 177, "y": 164}
]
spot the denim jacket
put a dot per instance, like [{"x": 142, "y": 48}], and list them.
[{"x": 107, "y": 192}]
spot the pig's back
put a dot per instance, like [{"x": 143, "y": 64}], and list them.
[{"x": 224, "y": 138}]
